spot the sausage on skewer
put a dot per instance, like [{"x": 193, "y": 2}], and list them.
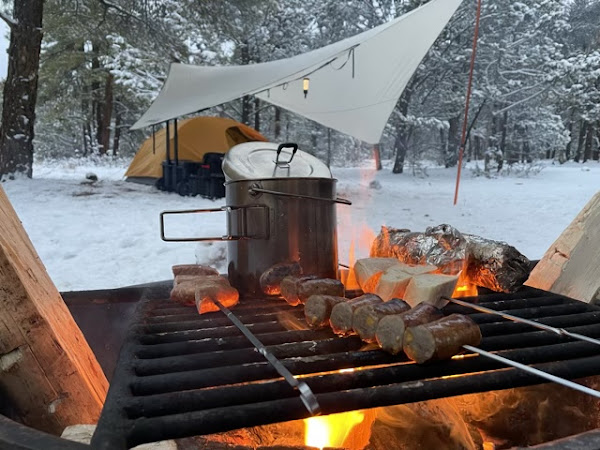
[
  {"x": 390, "y": 329},
  {"x": 441, "y": 339},
  {"x": 366, "y": 318}
]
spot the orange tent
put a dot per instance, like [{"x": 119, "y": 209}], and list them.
[{"x": 196, "y": 137}]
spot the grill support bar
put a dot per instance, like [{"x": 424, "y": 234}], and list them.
[
  {"x": 181, "y": 375},
  {"x": 231, "y": 418}
]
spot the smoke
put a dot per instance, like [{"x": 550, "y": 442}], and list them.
[
  {"x": 213, "y": 254},
  {"x": 431, "y": 424}
]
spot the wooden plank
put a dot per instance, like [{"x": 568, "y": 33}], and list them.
[
  {"x": 51, "y": 375},
  {"x": 571, "y": 266}
]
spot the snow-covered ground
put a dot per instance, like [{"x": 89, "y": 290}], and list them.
[{"x": 106, "y": 234}]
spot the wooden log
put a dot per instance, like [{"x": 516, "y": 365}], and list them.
[
  {"x": 570, "y": 266},
  {"x": 47, "y": 370},
  {"x": 491, "y": 264}
]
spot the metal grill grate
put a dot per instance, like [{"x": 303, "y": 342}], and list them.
[{"x": 181, "y": 374}]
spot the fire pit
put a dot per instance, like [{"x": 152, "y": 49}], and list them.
[{"x": 180, "y": 374}]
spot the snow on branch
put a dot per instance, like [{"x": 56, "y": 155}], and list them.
[
  {"x": 108, "y": 5},
  {"x": 12, "y": 23},
  {"x": 526, "y": 99}
]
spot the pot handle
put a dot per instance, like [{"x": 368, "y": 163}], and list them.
[
  {"x": 291, "y": 145},
  {"x": 256, "y": 190},
  {"x": 247, "y": 222}
]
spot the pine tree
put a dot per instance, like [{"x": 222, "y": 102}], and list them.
[{"x": 20, "y": 88}]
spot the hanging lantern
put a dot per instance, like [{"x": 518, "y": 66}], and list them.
[{"x": 305, "y": 84}]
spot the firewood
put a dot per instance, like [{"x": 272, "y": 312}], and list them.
[
  {"x": 48, "y": 372},
  {"x": 570, "y": 266},
  {"x": 487, "y": 263}
]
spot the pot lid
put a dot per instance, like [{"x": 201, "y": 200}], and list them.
[{"x": 258, "y": 160}]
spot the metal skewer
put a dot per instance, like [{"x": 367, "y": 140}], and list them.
[
  {"x": 534, "y": 371},
  {"x": 306, "y": 394},
  {"x": 541, "y": 326}
]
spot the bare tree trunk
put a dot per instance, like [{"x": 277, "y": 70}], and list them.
[
  {"x": 20, "y": 88},
  {"x": 469, "y": 149},
  {"x": 277, "y": 131},
  {"x": 117, "y": 134},
  {"x": 377, "y": 157},
  {"x": 314, "y": 141},
  {"x": 570, "y": 128},
  {"x": 510, "y": 153},
  {"x": 256, "y": 114},
  {"x": 401, "y": 141},
  {"x": 597, "y": 150},
  {"x": 589, "y": 140},
  {"x": 443, "y": 142},
  {"x": 580, "y": 141},
  {"x": 400, "y": 146},
  {"x": 451, "y": 156},
  {"x": 86, "y": 114},
  {"x": 88, "y": 128},
  {"x": 106, "y": 117},
  {"x": 527, "y": 151},
  {"x": 246, "y": 107},
  {"x": 97, "y": 96},
  {"x": 493, "y": 137}
]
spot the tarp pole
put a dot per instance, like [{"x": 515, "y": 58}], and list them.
[
  {"x": 153, "y": 139},
  {"x": 176, "y": 143},
  {"x": 168, "y": 144},
  {"x": 328, "y": 147},
  {"x": 467, "y": 101}
]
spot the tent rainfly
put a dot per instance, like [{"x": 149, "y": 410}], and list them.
[
  {"x": 354, "y": 83},
  {"x": 196, "y": 137}
]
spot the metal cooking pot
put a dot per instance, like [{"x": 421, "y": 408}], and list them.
[{"x": 273, "y": 220}]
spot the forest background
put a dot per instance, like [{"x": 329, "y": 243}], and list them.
[{"x": 536, "y": 87}]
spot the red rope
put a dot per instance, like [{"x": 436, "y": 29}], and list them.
[{"x": 468, "y": 100}]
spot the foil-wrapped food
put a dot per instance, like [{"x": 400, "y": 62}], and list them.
[{"x": 491, "y": 264}]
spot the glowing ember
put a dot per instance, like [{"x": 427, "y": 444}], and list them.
[
  {"x": 468, "y": 290},
  {"x": 464, "y": 288},
  {"x": 332, "y": 430}
]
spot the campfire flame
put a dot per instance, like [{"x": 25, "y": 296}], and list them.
[
  {"x": 360, "y": 244},
  {"x": 464, "y": 287},
  {"x": 332, "y": 430}
]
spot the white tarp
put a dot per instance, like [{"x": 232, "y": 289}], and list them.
[{"x": 354, "y": 83}]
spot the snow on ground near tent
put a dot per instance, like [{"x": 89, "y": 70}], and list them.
[{"x": 106, "y": 234}]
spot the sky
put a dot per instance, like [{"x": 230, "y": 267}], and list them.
[{"x": 3, "y": 49}]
